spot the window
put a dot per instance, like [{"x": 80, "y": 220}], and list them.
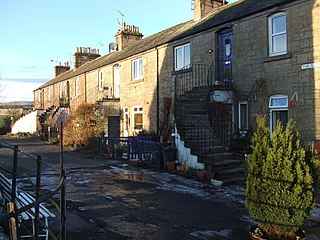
[
  {"x": 182, "y": 57},
  {"x": 39, "y": 96},
  {"x": 277, "y": 34},
  {"x": 278, "y": 106},
  {"x": 278, "y": 101},
  {"x": 101, "y": 82},
  {"x": 137, "y": 69},
  {"x": 126, "y": 121},
  {"x": 243, "y": 116},
  {"x": 137, "y": 118},
  {"x": 76, "y": 86},
  {"x": 60, "y": 90},
  {"x": 49, "y": 93}
]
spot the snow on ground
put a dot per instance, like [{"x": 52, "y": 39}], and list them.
[
  {"x": 315, "y": 214},
  {"x": 208, "y": 234}
]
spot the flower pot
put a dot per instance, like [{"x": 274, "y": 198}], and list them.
[
  {"x": 201, "y": 174},
  {"x": 169, "y": 154},
  {"x": 256, "y": 233},
  {"x": 171, "y": 166},
  {"x": 182, "y": 169},
  {"x": 209, "y": 175}
]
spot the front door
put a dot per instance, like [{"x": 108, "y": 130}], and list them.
[
  {"x": 224, "y": 56},
  {"x": 114, "y": 126},
  {"x": 116, "y": 81}
]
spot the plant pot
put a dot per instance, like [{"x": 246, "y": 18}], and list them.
[
  {"x": 256, "y": 233},
  {"x": 169, "y": 154},
  {"x": 201, "y": 174},
  {"x": 171, "y": 166},
  {"x": 182, "y": 169},
  {"x": 209, "y": 175}
]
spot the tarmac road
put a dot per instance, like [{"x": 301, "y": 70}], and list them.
[{"x": 112, "y": 199}]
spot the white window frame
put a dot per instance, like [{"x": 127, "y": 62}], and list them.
[
  {"x": 274, "y": 102},
  {"x": 273, "y": 35},
  {"x": 60, "y": 91},
  {"x": 277, "y": 103},
  {"x": 100, "y": 80},
  {"x": 185, "y": 59},
  {"x": 76, "y": 86},
  {"x": 136, "y": 110},
  {"x": 247, "y": 116},
  {"x": 39, "y": 96},
  {"x": 137, "y": 69},
  {"x": 49, "y": 93}
]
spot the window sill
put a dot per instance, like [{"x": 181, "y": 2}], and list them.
[
  {"x": 277, "y": 58},
  {"x": 133, "y": 81},
  {"x": 182, "y": 71}
]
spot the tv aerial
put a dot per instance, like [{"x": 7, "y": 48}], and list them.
[{"x": 122, "y": 18}]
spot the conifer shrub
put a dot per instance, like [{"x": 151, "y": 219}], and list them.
[{"x": 280, "y": 185}]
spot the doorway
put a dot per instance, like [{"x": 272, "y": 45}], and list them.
[
  {"x": 116, "y": 81},
  {"x": 224, "y": 56}
]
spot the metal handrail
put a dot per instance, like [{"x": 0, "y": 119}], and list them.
[
  {"x": 196, "y": 76},
  {"x": 38, "y": 199}
]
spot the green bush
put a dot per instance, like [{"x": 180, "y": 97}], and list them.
[{"x": 280, "y": 188}]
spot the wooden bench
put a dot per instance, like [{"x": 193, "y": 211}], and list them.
[{"x": 23, "y": 199}]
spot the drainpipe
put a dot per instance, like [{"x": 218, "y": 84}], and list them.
[
  {"x": 85, "y": 87},
  {"x": 157, "y": 91}
]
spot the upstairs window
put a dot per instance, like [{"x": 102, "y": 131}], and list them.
[
  {"x": 60, "y": 91},
  {"x": 182, "y": 57},
  {"x": 137, "y": 69},
  {"x": 277, "y": 34},
  {"x": 101, "y": 82}
]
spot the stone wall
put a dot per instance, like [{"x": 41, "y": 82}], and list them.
[{"x": 281, "y": 74}]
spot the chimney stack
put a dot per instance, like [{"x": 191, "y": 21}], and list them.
[
  {"x": 203, "y": 7},
  {"x": 83, "y": 55},
  {"x": 127, "y": 35},
  {"x": 61, "y": 69}
]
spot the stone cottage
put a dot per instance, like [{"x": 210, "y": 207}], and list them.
[{"x": 221, "y": 68}]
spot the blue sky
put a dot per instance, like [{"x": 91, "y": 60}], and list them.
[{"x": 34, "y": 32}]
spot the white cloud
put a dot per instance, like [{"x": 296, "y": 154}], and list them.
[{"x": 18, "y": 90}]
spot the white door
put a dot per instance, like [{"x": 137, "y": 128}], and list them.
[{"x": 116, "y": 81}]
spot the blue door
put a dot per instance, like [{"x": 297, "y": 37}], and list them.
[{"x": 224, "y": 73}]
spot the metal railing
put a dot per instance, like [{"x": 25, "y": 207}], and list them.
[
  {"x": 39, "y": 196},
  {"x": 196, "y": 133},
  {"x": 201, "y": 80},
  {"x": 142, "y": 148}
]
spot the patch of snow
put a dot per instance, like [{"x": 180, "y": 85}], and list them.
[
  {"x": 246, "y": 218},
  {"x": 209, "y": 234},
  {"x": 175, "y": 183},
  {"x": 315, "y": 214},
  {"x": 85, "y": 181},
  {"x": 231, "y": 193},
  {"x": 313, "y": 237},
  {"x": 82, "y": 209}
]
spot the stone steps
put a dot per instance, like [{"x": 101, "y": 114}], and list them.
[{"x": 196, "y": 137}]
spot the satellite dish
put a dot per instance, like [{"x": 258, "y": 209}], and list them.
[{"x": 113, "y": 47}]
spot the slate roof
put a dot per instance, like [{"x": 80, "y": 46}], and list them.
[{"x": 222, "y": 15}]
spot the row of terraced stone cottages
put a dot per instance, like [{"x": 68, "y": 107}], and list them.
[{"x": 219, "y": 69}]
